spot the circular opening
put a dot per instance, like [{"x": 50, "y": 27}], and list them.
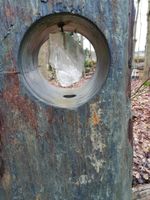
[
  {"x": 55, "y": 34},
  {"x": 67, "y": 59}
]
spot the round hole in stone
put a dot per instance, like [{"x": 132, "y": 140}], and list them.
[
  {"x": 29, "y": 52},
  {"x": 67, "y": 59}
]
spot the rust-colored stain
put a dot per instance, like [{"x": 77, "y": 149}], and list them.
[
  {"x": 12, "y": 97},
  {"x": 6, "y": 180},
  {"x": 96, "y": 119},
  {"x": 49, "y": 115},
  {"x": 70, "y": 119},
  {"x": 8, "y": 11},
  {"x": 8, "y": 56}
]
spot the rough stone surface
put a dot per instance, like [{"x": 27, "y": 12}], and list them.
[{"x": 60, "y": 154}]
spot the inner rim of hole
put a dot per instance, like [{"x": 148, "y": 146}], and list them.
[{"x": 39, "y": 86}]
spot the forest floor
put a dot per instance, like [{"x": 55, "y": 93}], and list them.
[{"x": 141, "y": 132}]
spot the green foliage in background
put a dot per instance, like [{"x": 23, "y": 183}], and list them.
[
  {"x": 89, "y": 65},
  {"x": 147, "y": 83}
]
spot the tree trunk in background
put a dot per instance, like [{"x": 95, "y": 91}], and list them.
[
  {"x": 147, "y": 57},
  {"x": 135, "y": 26}
]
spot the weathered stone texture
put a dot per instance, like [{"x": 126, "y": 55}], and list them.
[{"x": 59, "y": 154}]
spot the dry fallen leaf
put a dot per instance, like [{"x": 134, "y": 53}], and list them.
[{"x": 141, "y": 133}]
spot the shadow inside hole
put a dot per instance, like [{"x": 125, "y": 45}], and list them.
[{"x": 70, "y": 96}]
